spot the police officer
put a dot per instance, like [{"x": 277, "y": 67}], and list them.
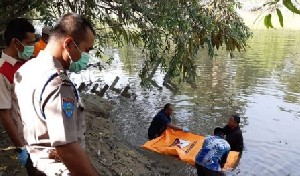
[
  {"x": 19, "y": 39},
  {"x": 49, "y": 103}
]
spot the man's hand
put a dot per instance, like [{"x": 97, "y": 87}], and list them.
[
  {"x": 52, "y": 154},
  {"x": 23, "y": 156},
  {"x": 174, "y": 127}
]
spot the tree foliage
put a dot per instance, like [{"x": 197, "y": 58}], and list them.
[
  {"x": 170, "y": 32},
  {"x": 11, "y": 9},
  {"x": 278, "y": 5}
]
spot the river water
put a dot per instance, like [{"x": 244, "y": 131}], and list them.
[{"x": 262, "y": 85}]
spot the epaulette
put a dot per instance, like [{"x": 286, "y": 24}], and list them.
[{"x": 64, "y": 77}]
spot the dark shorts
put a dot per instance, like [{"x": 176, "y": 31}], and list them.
[{"x": 203, "y": 171}]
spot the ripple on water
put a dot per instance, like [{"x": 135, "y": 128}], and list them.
[{"x": 258, "y": 160}]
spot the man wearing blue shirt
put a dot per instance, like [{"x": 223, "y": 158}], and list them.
[
  {"x": 212, "y": 157},
  {"x": 161, "y": 121}
]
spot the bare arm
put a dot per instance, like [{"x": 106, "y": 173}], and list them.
[
  {"x": 76, "y": 160},
  {"x": 10, "y": 127},
  {"x": 175, "y": 127}
]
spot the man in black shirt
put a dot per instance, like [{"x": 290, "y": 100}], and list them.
[
  {"x": 234, "y": 134},
  {"x": 161, "y": 121}
]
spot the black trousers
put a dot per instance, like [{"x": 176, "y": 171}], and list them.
[
  {"x": 32, "y": 171},
  {"x": 203, "y": 171}
]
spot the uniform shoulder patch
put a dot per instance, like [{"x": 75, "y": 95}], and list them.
[{"x": 68, "y": 107}]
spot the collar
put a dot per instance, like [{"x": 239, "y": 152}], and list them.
[
  {"x": 219, "y": 137},
  {"x": 48, "y": 58},
  {"x": 44, "y": 55},
  {"x": 9, "y": 59}
]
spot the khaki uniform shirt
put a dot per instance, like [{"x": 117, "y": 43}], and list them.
[
  {"x": 50, "y": 107},
  {"x": 8, "y": 100}
]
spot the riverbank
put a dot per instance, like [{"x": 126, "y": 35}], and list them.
[{"x": 108, "y": 152}]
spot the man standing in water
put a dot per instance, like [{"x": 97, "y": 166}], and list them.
[
  {"x": 234, "y": 134},
  {"x": 213, "y": 154},
  {"x": 161, "y": 121},
  {"x": 50, "y": 106}
]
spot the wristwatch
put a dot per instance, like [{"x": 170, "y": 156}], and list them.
[{"x": 20, "y": 149}]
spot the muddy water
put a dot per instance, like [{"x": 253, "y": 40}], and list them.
[{"x": 261, "y": 84}]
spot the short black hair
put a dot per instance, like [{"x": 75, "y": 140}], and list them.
[
  {"x": 218, "y": 131},
  {"x": 17, "y": 28},
  {"x": 236, "y": 118},
  {"x": 168, "y": 105},
  {"x": 72, "y": 24}
]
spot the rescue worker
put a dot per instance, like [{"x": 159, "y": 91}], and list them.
[
  {"x": 50, "y": 106},
  {"x": 161, "y": 121},
  {"x": 41, "y": 44},
  {"x": 213, "y": 154},
  {"x": 234, "y": 135},
  {"x": 19, "y": 40}
]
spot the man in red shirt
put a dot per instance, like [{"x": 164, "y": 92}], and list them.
[{"x": 19, "y": 40}]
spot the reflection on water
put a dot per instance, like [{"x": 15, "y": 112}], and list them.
[{"x": 262, "y": 85}]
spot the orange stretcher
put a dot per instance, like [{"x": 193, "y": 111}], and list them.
[{"x": 185, "y": 146}]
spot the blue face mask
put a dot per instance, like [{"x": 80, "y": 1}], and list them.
[
  {"x": 81, "y": 64},
  {"x": 27, "y": 53}
]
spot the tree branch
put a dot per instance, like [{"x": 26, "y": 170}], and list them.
[{"x": 70, "y": 5}]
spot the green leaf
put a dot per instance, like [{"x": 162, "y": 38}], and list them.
[
  {"x": 280, "y": 17},
  {"x": 268, "y": 22},
  {"x": 270, "y": 3},
  {"x": 289, "y": 5}
]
